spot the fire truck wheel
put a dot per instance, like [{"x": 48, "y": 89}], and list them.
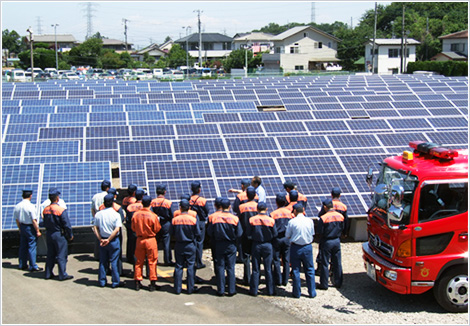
[{"x": 451, "y": 290}]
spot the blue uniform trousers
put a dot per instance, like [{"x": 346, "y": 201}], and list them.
[
  {"x": 28, "y": 246},
  {"x": 262, "y": 251},
  {"x": 246, "y": 245},
  {"x": 302, "y": 255},
  {"x": 185, "y": 256},
  {"x": 131, "y": 243},
  {"x": 57, "y": 249},
  {"x": 331, "y": 250},
  {"x": 164, "y": 236},
  {"x": 281, "y": 251},
  {"x": 109, "y": 255},
  {"x": 225, "y": 259},
  {"x": 200, "y": 244}
]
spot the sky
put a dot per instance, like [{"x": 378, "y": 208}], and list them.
[{"x": 152, "y": 21}]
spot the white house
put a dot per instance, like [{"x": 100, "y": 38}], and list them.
[
  {"x": 214, "y": 45},
  {"x": 153, "y": 50},
  {"x": 302, "y": 48},
  {"x": 257, "y": 41},
  {"x": 388, "y": 55},
  {"x": 454, "y": 47}
]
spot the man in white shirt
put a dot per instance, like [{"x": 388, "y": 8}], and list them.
[
  {"x": 96, "y": 202},
  {"x": 107, "y": 226},
  {"x": 256, "y": 183},
  {"x": 300, "y": 231},
  {"x": 27, "y": 222}
]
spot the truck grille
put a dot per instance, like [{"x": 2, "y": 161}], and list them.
[{"x": 376, "y": 243}]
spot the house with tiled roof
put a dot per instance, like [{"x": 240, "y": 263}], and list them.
[
  {"x": 64, "y": 41},
  {"x": 387, "y": 57},
  {"x": 302, "y": 48},
  {"x": 454, "y": 47},
  {"x": 214, "y": 45},
  {"x": 256, "y": 41}
]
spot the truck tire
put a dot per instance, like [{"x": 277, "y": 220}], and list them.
[{"x": 451, "y": 290}]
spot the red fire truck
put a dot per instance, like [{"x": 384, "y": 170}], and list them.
[{"x": 417, "y": 224}]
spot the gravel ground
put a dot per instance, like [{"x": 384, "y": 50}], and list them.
[{"x": 359, "y": 300}]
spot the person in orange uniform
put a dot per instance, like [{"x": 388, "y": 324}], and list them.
[
  {"x": 190, "y": 211},
  {"x": 201, "y": 206},
  {"x": 247, "y": 210},
  {"x": 289, "y": 186},
  {"x": 292, "y": 198},
  {"x": 281, "y": 246},
  {"x": 145, "y": 224},
  {"x": 186, "y": 233},
  {"x": 131, "y": 238},
  {"x": 130, "y": 198},
  {"x": 224, "y": 229},
  {"x": 262, "y": 231},
  {"x": 330, "y": 227},
  {"x": 218, "y": 210},
  {"x": 162, "y": 207}
]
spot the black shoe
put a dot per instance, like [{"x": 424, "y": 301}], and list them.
[
  {"x": 220, "y": 294},
  {"x": 253, "y": 294},
  {"x": 201, "y": 266},
  {"x": 37, "y": 269},
  {"x": 284, "y": 284},
  {"x": 50, "y": 277},
  {"x": 170, "y": 264},
  {"x": 320, "y": 287},
  {"x": 239, "y": 261},
  {"x": 68, "y": 277},
  {"x": 231, "y": 294},
  {"x": 198, "y": 280},
  {"x": 195, "y": 289},
  {"x": 138, "y": 285},
  {"x": 120, "y": 285},
  {"x": 25, "y": 268}
]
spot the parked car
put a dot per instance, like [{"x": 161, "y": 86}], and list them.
[
  {"x": 106, "y": 75},
  {"x": 35, "y": 70},
  {"x": 157, "y": 73},
  {"x": 43, "y": 76},
  {"x": 15, "y": 75},
  {"x": 139, "y": 75},
  {"x": 173, "y": 75},
  {"x": 69, "y": 75}
]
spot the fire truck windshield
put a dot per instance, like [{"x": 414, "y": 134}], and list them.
[{"x": 389, "y": 180}]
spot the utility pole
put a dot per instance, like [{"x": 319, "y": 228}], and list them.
[
  {"x": 402, "y": 38},
  {"x": 55, "y": 39},
  {"x": 200, "y": 35},
  {"x": 125, "y": 30},
  {"x": 373, "y": 44},
  {"x": 426, "y": 37},
  {"x": 30, "y": 31}
]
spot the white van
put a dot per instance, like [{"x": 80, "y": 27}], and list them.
[
  {"x": 157, "y": 73},
  {"x": 146, "y": 71},
  {"x": 16, "y": 75}
]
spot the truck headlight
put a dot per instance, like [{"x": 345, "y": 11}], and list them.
[{"x": 391, "y": 275}]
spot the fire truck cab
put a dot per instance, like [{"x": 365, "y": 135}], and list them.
[{"x": 417, "y": 224}]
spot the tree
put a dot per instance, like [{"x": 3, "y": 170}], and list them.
[
  {"x": 236, "y": 59},
  {"x": 11, "y": 41},
  {"x": 167, "y": 39},
  {"x": 148, "y": 59},
  {"x": 176, "y": 56},
  {"x": 125, "y": 57},
  {"x": 87, "y": 54},
  {"x": 111, "y": 60}
]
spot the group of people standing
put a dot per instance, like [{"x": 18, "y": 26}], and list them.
[{"x": 280, "y": 240}]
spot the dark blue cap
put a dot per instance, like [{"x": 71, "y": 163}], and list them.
[
  {"x": 328, "y": 202},
  {"x": 161, "y": 187},
  {"x": 109, "y": 198},
  {"x": 293, "y": 195},
  {"x": 105, "y": 184},
  {"x": 184, "y": 204},
  {"x": 27, "y": 192},
  {"x": 298, "y": 207},
  {"x": 289, "y": 184},
  {"x": 139, "y": 194},
  {"x": 131, "y": 188},
  {"x": 195, "y": 185},
  {"x": 251, "y": 192},
  {"x": 53, "y": 191},
  {"x": 146, "y": 200},
  {"x": 186, "y": 196},
  {"x": 225, "y": 203},
  {"x": 336, "y": 191},
  {"x": 246, "y": 182},
  {"x": 112, "y": 191},
  {"x": 262, "y": 206},
  {"x": 218, "y": 201}
]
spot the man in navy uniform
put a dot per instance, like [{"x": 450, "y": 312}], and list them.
[
  {"x": 162, "y": 207},
  {"x": 28, "y": 224},
  {"x": 59, "y": 232}
]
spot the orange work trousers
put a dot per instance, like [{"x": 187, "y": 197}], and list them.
[{"x": 146, "y": 247}]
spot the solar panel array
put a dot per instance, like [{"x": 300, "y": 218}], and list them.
[{"x": 211, "y": 130}]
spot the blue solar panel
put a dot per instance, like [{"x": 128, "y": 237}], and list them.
[
  {"x": 107, "y": 132},
  {"x": 333, "y": 126},
  {"x": 241, "y": 128},
  {"x": 309, "y": 165},
  {"x": 232, "y": 106},
  {"x": 246, "y": 144},
  {"x": 52, "y": 148},
  {"x": 157, "y": 171},
  {"x": 449, "y": 122},
  {"x": 221, "y": 117},
  {"x": 331, "y": 114},
  {"x": 409, "y": 124},
  {"x": 12, "y": 195},
  {"x": 353, "y": 141},
  {"x": 449, "y": 138},
  {"x": 61, "y": 133},
  {"x": 322, "y": 184},
  {"x": 367, "y": 125},
  {"x": 74, "y": 172},
  {"x": 149, "y": 130},
  {"x": 250, "y": 167},
  {"x": 20, "y": 174},
  {"x": 202, "y": 145}
]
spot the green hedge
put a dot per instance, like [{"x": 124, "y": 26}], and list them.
[{"x": 446, "y": 68}]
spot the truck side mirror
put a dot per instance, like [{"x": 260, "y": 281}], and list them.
[{"x": 395, "y": 210}]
